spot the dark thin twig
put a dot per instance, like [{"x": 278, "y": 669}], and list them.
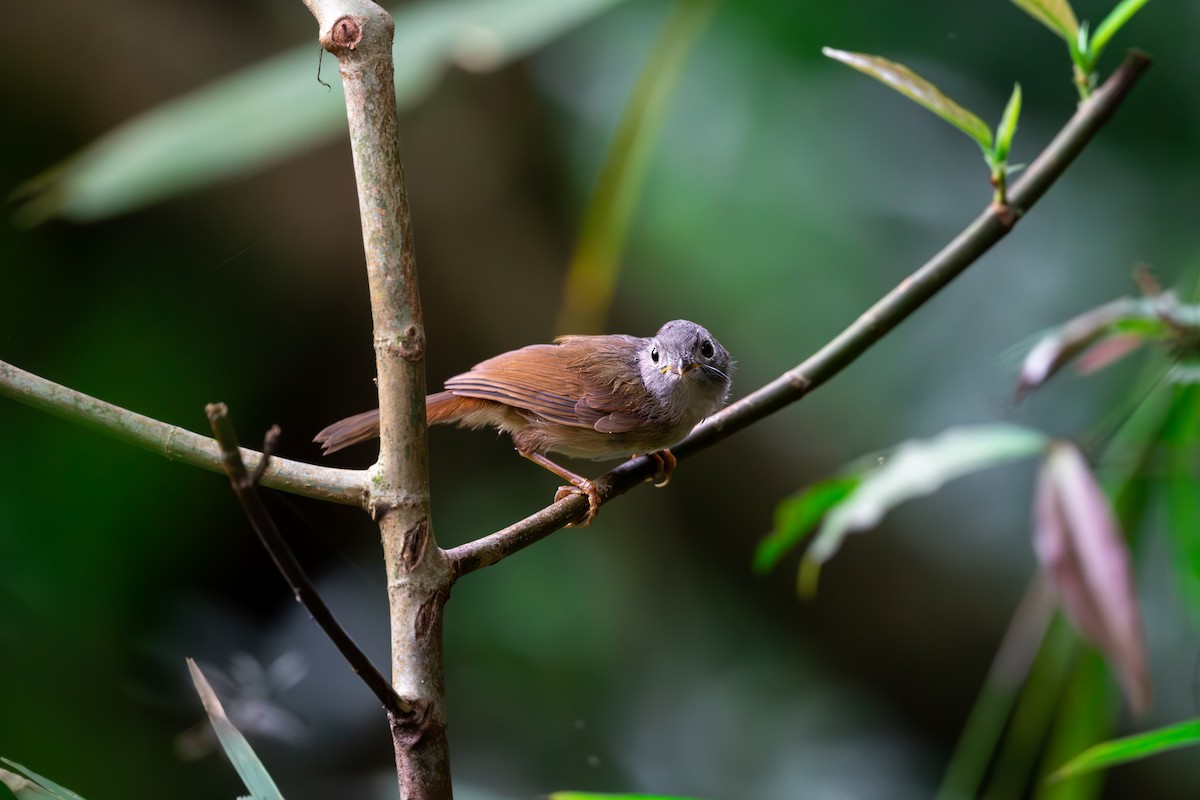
[
  {"x": 246, "y": 488},
  {"x": 896, "y": 306}
]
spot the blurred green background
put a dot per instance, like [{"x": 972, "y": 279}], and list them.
[{"x": 784, "y": 195}]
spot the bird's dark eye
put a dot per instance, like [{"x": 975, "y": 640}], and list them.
[
  {"x": 654, "y": 354},
  {"x": 706, "y": 349}
]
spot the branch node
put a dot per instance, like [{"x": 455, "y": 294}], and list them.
[
  {"x": 1005, "y": 214},
  {"x": 799, "y": 382},
  {"x": 409, "y": 344},
  {"x": 410, "y": 727},
  {"x": 345, "y": 34}
]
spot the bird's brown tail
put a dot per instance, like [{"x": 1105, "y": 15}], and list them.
[
  {"x": 351, "y": 430},
  {"x": 440, "y": 408}
]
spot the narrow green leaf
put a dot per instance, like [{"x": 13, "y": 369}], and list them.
[
  {"x": 1038, "y": 697},
  {"x": 1040, "y": 694},
  {"x": 42, "y": 787},
  {"x": 990, "y": 713},
  {"x": 916, "y": 88},
  {"x": 1132, "y": 748},
  {"x": 1081, "y": 49},
  {"x": 21, "y": 788},
  {"x": 1180, "y": 439},
  {"x": 1183, "y": 512},
  {"x": 241, "y": 755},
  {"x": 1083, "y": 716},
  {"x": 1057, "y": 15},
  {"x": 1115, "y": 20},
  {"x": 1008, "y": 126},
  {"x": 592, "y": 274},
  {"x": 798, "y": 515},
  {"x": 921, "y": 467},
  {"x": 274, "y": 110},
  {"x": 594, "y": 796}
]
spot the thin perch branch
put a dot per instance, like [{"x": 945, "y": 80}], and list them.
[
  {"x": 244, "y": 486},
  {"x": 177, "y": 444},
  {"x": 989, "y": 228}
]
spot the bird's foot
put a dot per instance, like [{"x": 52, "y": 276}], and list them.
[
  {"x": 664, "y": 462},
  {"x": 588, "y": 490}
]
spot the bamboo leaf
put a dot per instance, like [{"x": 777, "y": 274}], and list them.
[
  {"x": 916, "y": 88},
  {"x": 594, "y": 796},
  {"x": 1180, "y": 438},
  {"x": 1008, "y": 126},
  {"x": 797, "y": 516},
  {"x": 1115, "y": 20},
  {"x": 1132, "y": 748},
  {"x": 274, "y": 110},
  {"x": 917, "y": 468},
  {"x": 1126, "y": 317},
  {"x": 1039, "y": 695},
  {"x": 1085, "y": 558},
  {"x": 1057, "y": 15},
  {"x": 592, "y": 274},
  {"x": 1083, "y": 714},
  {"x": 241, "y": 755},
  {"x": 30, "y": 786},
  {"x": 1107, "y": 351}
]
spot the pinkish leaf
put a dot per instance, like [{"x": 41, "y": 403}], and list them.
[
  {"x": 1063, "y": 344},
  {"x": 1084, "y": 556},
  {"x": 1107, "y": 352}
]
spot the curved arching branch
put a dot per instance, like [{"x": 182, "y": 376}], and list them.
[{"x": 910, "y": 294}]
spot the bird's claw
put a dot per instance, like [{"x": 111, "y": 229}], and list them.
[
  {"x": 588, "y": 490},
  {"x": 664, "y": 462}
]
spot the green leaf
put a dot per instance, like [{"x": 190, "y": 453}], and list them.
[
  {"x": 913, "y": 86},
  {"x": 592, "y": 274},
  {"x": 1057, "y": 15},
  {"x": 1180, "y": 438},
  {"x": 241, "y": 755},
  {"x": 35, "y": 787},
  {"x": 275, "y": 110},
  {"x": 1007, "y": 127},
  {"x": 1115, "y": 20},
  {"x": 1040, "y": 691},
  {"x": 921, "y": 467},
  {"x": 1083, "y": 716},
  {"x": 1132, "y": 748},
  {"x": 798, "y": 515},
  {"x": 594, "y": 796}
]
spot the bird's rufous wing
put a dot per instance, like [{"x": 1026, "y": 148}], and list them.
[{"x": 535, "y": 378}]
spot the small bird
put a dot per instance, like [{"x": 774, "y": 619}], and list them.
[{"x": 591, "y": 397}]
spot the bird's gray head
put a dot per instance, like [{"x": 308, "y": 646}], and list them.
[{"x": 686, "y": 369}]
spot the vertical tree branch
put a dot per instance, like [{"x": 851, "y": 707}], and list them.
[{"x": 359, "y": 34}]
